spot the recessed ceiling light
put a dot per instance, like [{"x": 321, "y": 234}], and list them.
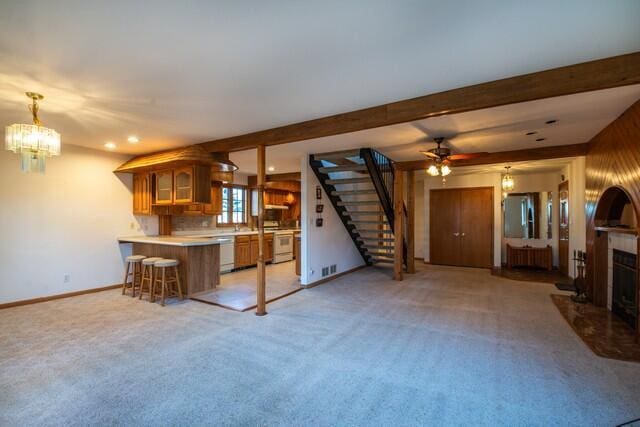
[
  {"x": 533, "y": 132},
  {"x": 110, "y": 146},
  {"x": 550, "y": 122},
  {"x": 133, "y": 139},
  {"x": 271, "y": 168},
  {"x": 540, "y": 139}
]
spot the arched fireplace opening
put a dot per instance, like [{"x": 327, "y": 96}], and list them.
[{"x": 615, "y": 255}]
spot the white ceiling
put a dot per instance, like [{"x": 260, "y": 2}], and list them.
[
  {"x": 181, "y": 72},
  {"x": 579, "y": 118}
]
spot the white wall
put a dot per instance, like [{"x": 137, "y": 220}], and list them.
[
  {"x": 326, "y": 245},
  {"x": 64, "y": 222},
  {"x": 462, "y": 181}
]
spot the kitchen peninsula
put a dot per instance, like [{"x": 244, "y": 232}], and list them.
[{"x": 199, "y": 258}]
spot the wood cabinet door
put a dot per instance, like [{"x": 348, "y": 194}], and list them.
[
  {"x": 254, "y": 250},
  {"x": 164, "y": 187},
  {"x": 476, "y": 227},
  {"x": 183, "y": 185},
  {"x": 141, "y": 194},
  {"x": 242, "y": 253},
  {"x": 268, "y": 247},
  {"x": 444, "y": 232},
  {"x": 215, "y": 207}
]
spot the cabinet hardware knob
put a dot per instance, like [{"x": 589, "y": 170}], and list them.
[{"x": 456, "y": 234}]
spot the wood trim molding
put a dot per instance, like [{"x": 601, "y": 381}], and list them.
[
  {"x": 604, "y": 73},
  {"x": 542, "y": 153},
  {"x": 328, "y": 279},
  {"x": 58, "y": 296}
]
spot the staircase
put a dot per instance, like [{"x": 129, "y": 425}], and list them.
[{"x": 359, "y": 184}]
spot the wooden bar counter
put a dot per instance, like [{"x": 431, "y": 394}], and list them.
[{"x": 199, "y": 258}]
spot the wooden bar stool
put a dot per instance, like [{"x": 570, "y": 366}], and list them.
[
  {"x": 148, "y": 272},
  {"x": 133, "y": 270},
  {"x": 161, "y": 278}
]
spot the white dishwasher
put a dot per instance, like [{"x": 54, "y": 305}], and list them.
[{"x": 227, "y": 254}]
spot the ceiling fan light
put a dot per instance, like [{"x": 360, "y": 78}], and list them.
[
  {"x": 433, "y": 170},
  {"x": 445, "y": 170}
]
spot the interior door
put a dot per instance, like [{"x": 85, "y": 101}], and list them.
[
  {"x": 461, "y": 227},
  {"x": 563, "y": 235},
  {"x": 476, "y": 227},
  {"x": 444, "y": 241}
]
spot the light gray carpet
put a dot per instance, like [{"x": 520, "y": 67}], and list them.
[{"x": 445, "y": 347}]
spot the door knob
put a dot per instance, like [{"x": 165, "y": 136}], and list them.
[
  {"x": 456, "y": 234},
  {"x": 463, "y": 234}
]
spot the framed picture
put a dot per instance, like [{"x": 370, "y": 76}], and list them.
[
  {"x": 319, "y": 208},
  {"x": 318, "y": 192}
]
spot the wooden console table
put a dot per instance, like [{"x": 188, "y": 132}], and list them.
[{"x": 529, "y": 257}]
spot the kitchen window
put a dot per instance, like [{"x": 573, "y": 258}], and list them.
[{"x": 234, "y": 205}]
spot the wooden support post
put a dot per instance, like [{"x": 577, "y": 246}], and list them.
[
  {"x": 261, "y": 290},
  {"x": 411, "y": 212},
  {"x": 397, "y": 227}
]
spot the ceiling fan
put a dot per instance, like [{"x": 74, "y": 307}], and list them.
[{"x": 442, "y": 158}]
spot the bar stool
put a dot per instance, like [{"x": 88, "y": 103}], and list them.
[
  {"x": 148, "y": 272},
  {"x": 161, "y": 267},
  {"x": 134, "y": 271}
]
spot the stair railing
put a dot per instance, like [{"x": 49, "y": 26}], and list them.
[{"x": 382, "y": 172}]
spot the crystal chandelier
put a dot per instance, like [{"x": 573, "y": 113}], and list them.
[
  {"x": 33, "y": 142},
  {"x": 507, "y": 180}
]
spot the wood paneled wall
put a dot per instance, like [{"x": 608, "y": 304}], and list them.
[{"x": 613, "y": 159}]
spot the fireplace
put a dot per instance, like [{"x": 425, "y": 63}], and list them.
[{"x": 624, "y": 301}]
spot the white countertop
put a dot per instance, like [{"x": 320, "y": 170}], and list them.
[
  {"x": 175, "y": 240},
  {"x": 214, "y": 234}
]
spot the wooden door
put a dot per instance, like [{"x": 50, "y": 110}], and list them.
[
  {"x": 242, "y": 253},
  {"x": 268, "y": 249},
  {"x": 215, "y": 207},
  {"x": 476, "y": 227},
  {"x": 254, "y": 250},
  {"x": 461, "y": 227},
  {"x": 563, "y": 235},
  {"x": 164, "y": 187},
  {"x": 141, "y": 194},
  {"x": 444, "y": 232},
  {"x": 183, "y": 185}
]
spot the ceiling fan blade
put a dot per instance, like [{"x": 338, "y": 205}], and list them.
[
  {"x": 465, "y": 156},
  {"x": 430, "y": 154}
]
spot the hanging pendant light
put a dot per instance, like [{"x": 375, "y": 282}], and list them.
[
  {"x": 33, "y": 142},
  {"x": 507, "y": 180}
]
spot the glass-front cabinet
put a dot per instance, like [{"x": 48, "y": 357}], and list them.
[
  {"x": 164, "y": 187},
  {"x": 183, "y": 181}
]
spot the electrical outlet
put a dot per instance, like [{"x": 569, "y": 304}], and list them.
[
  {"x": 334, "y": 268},
  {"x": 66, "y": 278},
  {"x": 132, "y": 225}
]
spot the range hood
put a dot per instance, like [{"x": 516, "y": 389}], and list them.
[{"x": 276, "y": 207}]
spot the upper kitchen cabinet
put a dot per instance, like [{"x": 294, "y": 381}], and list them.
[
  {"x": 215, "y": 207},
  {"x": 192, "y": 184},
  {"x": 141, "y": 194},
  {"x": 163, "y": 181}
]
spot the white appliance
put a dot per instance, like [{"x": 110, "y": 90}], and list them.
[
  {"x": 227, "y": 255},
  {"x": 282, "y": 246}
]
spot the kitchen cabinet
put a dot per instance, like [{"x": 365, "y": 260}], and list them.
[
  {"x": 246, "y": 250},
  {"x": 164, "y": 187},
  {"x": 215, "y": 207},
  {"x": 242, "y": 252},
  {"x": 141, "y": 194},
  {"x": 192, "y": 184}
]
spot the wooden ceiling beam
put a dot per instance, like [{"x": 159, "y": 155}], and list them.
[
  {"x": 542, "y": 153},
  {"x": 605, "y": 73}
]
